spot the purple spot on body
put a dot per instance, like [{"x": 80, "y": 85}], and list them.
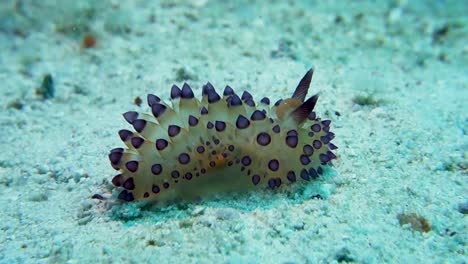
[
  {"x": 166, "y": 185},
  {"x": 116, "y": 150},
  {"x": 317, "y": 144},
  {"x": 158, "y": 109},
  {"x": 156, "y": 169},
  {"x": 308, "y": 150},
  {"x": 331, "y": 155},
  {"x": 137, "y": 142},
  {"x": 271, "y": 183},
  {"x": 319, "y": 170},
  {"x": 155, "y": 189},
  {"x": 305, "y": 175},
  {"x": 316, "y": 128},
  {"x": 304, "y": 160},
  {"x": 200, "y": 149},
  {"x": 152, "y": 99},
  {"x": 173, "y": 130},
  {"x": 187, "y": 92},
  {"x": 292, "y": 141},
  {"x": 212, "y": 164},
  {"x": 192, "y": 121},
  {"x": 126, "y": 196},
  {"x": 250, "y": 102},
  {"x": 117, "y": 180},
  {"x": 209, "y": 125},
  {"x": 132, "y": 165},
  {"x": 265, "y": 100},
  {"x": 220, "y": 126},
  {"x": 188, "y": 176},
  {"x": 161, "y": 144},
  {"x": 234, "y": 100},
  {"x": 312, "y": 116},
  {"x": 139, "y": 125},
  {"x": 210, "y": 91},
  {"x": 276, "y": 129},
  {"x": 175, "y": 174},
  {"x": 129, "y": 184},
  {"x": 242, "y": 122},
  {"x": 277, "y": 182},
  {"x": 175, "y": 92},
  {"x": 246, "y": 160},
  {"x": 332, "y": 146},
  {"x": 313, "y": 173},
  {"x": 184, "y": 158},
  {"x": 263, "y": 139},
  {"x": 204, "y": 111},
  {"x": 325, "y": 139},
  {"x": 231, "y": 148},
  {"x": 324, "y": 158},
  {"x": 115, "y": 157},
  {"x": 146, "y": 195},
  {"x": 130, "y": 116},
  {"x": 255, "y": 179},
  {"x": 257, "y": 115},
  {"x": 292, "y": 132},
  {"x": 291, "y": 176},
  {"x": 326, "y": 123},
  {"x": 246, "y": 95},
  {"x": 213, "y": 96},
  {"x": 125, "y": 134},
  {"x": 273, "y": 165},
  {"x": 228, "y": 91},
  {"x": 207, "y": 88}
]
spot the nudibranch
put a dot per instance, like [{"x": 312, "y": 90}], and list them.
[{"x": 189, "y": 149}]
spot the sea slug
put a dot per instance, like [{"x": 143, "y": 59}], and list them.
[{"x": 190, "y": 148}]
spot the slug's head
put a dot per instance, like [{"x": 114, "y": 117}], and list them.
[{"x": 295, "y": 108}]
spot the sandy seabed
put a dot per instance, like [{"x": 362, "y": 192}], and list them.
[{"x": 392, "y": 77}]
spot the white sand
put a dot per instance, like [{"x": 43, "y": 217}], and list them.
[{"x": 406, "y": 154}]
